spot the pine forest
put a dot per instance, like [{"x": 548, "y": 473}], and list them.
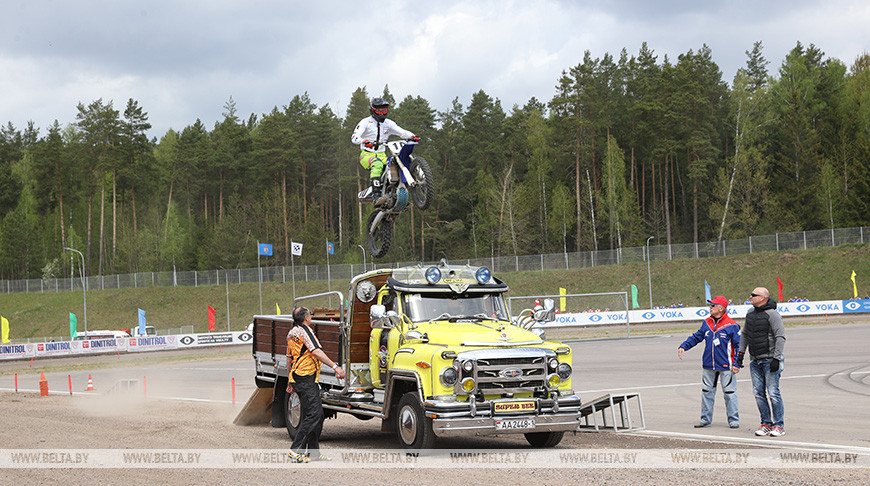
[{"x": 629, "y": 146}]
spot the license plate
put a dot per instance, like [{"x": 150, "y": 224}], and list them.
[
  {"x": 514, "y": 407},
  {"x": 514, "y": 424}
]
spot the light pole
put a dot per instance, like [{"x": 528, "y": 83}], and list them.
[
  {"x": 227, "y": 282},
  {"x": 364, "y": 257},
  {"x": 648, "y": 273},
  {"x": 84, "y": 284}
]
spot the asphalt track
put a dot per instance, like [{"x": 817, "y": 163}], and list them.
[{"x": 825, "y": 385}]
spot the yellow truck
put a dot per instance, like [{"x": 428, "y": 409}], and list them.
[{"x": 430, "y": 351}]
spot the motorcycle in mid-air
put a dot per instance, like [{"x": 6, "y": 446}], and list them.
[{"x": 406, "y": 178}]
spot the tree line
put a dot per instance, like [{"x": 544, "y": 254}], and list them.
[{"x": 629, "y": 146}]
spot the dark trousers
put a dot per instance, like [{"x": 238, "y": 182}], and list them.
[{"x": 308, "y": 434}]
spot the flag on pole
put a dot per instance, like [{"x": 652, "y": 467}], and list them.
[
  {"x": 330, "y": 248},
  {"x": 779, "y": 286},
  {"x": 562, "y": 299},
  {"x": 277, "y": 309},
  {"x": 707, "y": 290},
  {"x": 854, "y": 286},
  {"x": 210, "y": 318},
  {"x": 73, "y": 326},
  {"x": 634, "y": 304},
  {"x": 264, "y": 249},
  {"x": 141, "y": 322},
  {"x": 296, "y": 248},
  {"x": 4, "y": 329}
]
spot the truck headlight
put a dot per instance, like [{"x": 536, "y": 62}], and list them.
[
  {"x": 468, "y": 366},
  {"x": 469, "y": 385},
  {"x": 553, "y": 381},
  {"x": 449, "y": 377},
  {"x": 553, "y": 362},
  {"x": 564, "y": 371}
]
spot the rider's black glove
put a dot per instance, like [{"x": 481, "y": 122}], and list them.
[{"x": 774, "y": 365}]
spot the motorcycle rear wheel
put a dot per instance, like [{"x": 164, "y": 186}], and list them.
[
  {"x": 424, "y": 192},
  {"x": 379, "y": 240}
]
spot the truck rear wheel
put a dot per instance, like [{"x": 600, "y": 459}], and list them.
[
  {"x": 544, "y": 439},
  {"x": 413, "y": 426},
  {"x": 292, "y": 413}
]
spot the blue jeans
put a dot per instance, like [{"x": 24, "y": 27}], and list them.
[
  {"x": 765, "y": 385},
  {"x": 708, "y": 395}
]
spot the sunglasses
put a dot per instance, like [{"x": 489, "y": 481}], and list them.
[{"x": 755, "y": 295}]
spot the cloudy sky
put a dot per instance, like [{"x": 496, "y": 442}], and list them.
[{"x": 183, "y": 59}]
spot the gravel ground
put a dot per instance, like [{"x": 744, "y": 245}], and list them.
[{"x": 86, "y": 422}]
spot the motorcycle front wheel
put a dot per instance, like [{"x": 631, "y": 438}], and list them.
[
  {"x": 424, "y": 192},
  {"x": 379, "y": 240}
]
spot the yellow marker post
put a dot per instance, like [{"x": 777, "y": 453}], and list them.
[{"x": 562, "y": 299}]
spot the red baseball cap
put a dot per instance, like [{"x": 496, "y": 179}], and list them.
[{"x": 719, "y": 300}]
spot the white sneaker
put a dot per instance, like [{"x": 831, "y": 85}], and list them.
[
  {"x": 762, "y": 431},
  {"x": 777, "y": 432}
]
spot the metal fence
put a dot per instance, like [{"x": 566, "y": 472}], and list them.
[
  {"x": 800, "y": 240},
  {"x": 160, "y": 332}
]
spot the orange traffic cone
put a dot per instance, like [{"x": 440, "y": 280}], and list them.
[
  {"x": 90, "y": 384},
  {"x": 43, "y": 385}
]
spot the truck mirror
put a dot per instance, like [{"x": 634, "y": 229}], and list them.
[
  {"x": 416, "y": 336},
  {"x": 548, "y": 313},
  {"x": 378, "y": 316}
]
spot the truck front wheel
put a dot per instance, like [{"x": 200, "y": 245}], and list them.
[
  {"x": 414, "y": 427},
  {"x": 543, "y": 439},
  {"x": 292, "y": 412}
]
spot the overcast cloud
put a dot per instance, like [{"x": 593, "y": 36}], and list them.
[{"x": 182, "y": 60}]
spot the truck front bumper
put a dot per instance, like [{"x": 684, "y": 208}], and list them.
[{"x": 482, "y": 418}]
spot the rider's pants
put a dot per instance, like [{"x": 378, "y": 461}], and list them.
[{"x": 374, "y": 162}]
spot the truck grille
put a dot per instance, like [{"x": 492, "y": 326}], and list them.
[{"x": 508, "y": 374}]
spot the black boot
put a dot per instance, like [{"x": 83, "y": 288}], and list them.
[{"x": 376, "y": 190}]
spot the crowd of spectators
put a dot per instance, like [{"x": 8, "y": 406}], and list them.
[{"x": 674, "y": 305}]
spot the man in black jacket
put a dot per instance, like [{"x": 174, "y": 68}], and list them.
[{"x": 764, "y": 334}]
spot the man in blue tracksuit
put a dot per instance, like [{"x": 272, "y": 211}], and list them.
[{"x": 721, "y": 336}]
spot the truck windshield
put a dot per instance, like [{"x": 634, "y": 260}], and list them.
[{"x": 425, "y": 307}]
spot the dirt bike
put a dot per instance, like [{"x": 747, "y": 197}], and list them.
[{"x": 406, "y": 178}]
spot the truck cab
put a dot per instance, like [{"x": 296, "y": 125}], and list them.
[{"x": 431, "y": 352}]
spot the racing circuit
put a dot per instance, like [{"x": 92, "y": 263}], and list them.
[{"x": 825, "y": 387}]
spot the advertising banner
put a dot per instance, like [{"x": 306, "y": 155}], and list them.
[
  {"x": 788, "y": 309},
  {"x": 214, "y": 339},
  {"x": 55, "y": 348},
  {"x": 856, "y": 305},
  {"x": 108, "y": 345},
  {"x": 152, "y": 343},
  {"x": 16, "y": 351}
]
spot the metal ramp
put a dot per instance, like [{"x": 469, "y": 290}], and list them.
[
  {"x": 607, "y": 405},
  {"x": 124, "y": 386}
]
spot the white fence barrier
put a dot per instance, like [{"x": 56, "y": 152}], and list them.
[
  {"x": 787, "y": 309},
  {"x": 130, "y": 344}
]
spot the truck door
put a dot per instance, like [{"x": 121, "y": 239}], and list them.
[{"x": 383, "y": 343}]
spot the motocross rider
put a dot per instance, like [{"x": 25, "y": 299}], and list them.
[{"x": 370, "y": 134}]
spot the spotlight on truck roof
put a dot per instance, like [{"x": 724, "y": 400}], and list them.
[
  {"x": 483, "y": 275},
  {"x": 433, "y": 275}
]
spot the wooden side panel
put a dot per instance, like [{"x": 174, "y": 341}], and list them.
[
  {"x": 360, "y": 328},
  {"x": 270, "y": 335}
]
